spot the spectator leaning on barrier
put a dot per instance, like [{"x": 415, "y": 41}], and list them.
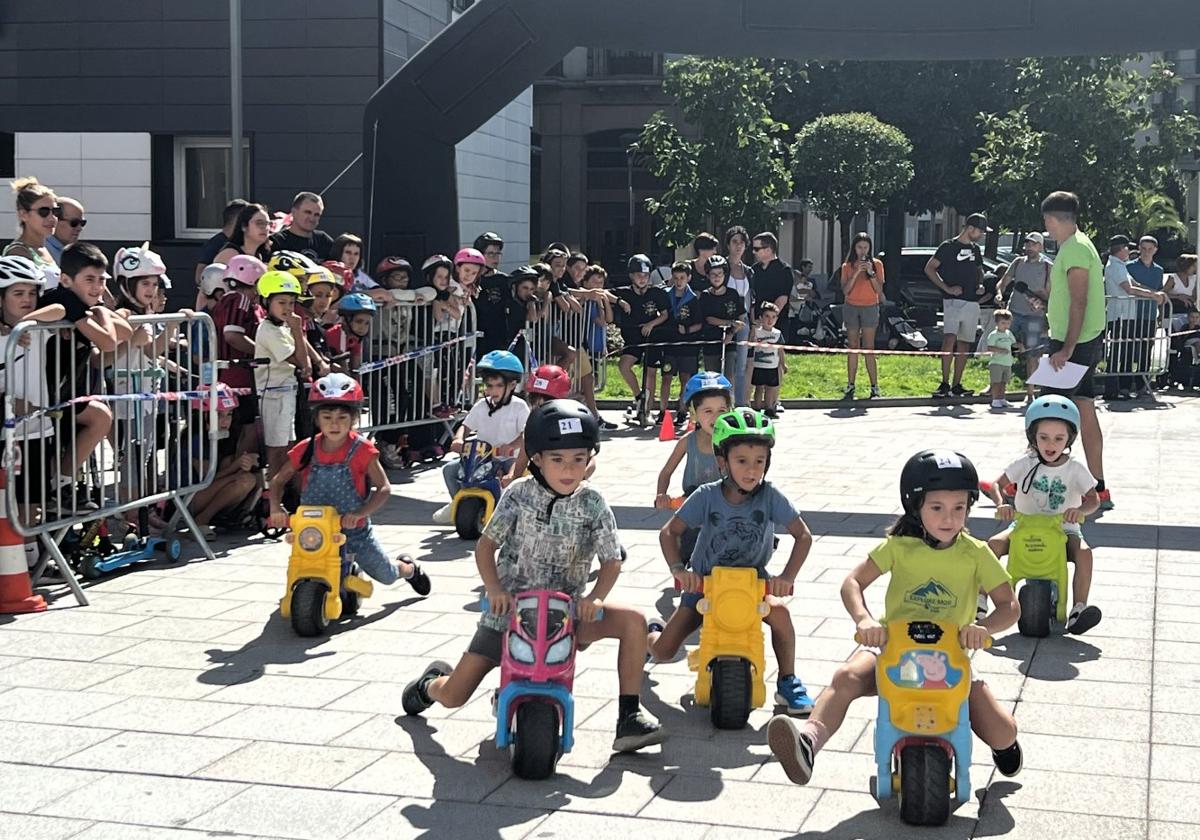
[
  {"x": 37, "y": 216},
  {"x": 1182, "y": 288},
  {"x": 1076, "y": 315},
  {"x": 301, "y": 235},
  {"x": 681, "y": 356},
  {"x": 216, "y": 243},
  {"x": 956, "y": 268},
  {"x": 71, "y": 222},
  {"x": 1029, "y": 276},
  {"x": 1121, "y": 315}
]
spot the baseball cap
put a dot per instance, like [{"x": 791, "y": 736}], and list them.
[
  {"x": 639, "y": 263},
  {"x": 1035, "y": 237},
  {"x": 977, "y": 220},
  {"x": 1118, "y": 241}
]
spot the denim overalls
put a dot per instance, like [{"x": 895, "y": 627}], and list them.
[{"x": 333, "y": 485}]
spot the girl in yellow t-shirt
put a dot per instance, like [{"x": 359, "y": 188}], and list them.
[{"x": 936, "y": 569}]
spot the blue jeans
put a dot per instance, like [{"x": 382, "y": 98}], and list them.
[
  {"x": 740, "y": 393},
  {"x": 450, "y": 473}
]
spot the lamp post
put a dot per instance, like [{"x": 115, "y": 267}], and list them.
[{"x": 236, "y": 178}]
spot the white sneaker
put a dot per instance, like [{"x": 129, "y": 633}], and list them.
[
  {"x": 999, "y": 404},
  {"x": 441, "y": 516}
]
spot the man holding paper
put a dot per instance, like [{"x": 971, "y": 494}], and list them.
[{"x": 1075, "y": 312}]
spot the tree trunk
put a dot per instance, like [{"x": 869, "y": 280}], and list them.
[
  {"x": 844, "y": 221},
  {"x": 893, "y": 243}
]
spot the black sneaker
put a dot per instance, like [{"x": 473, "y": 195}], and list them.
[
  {"x": 419, "y": 580},
  {"x": 414, "y": 699},
  {"x": 662, "y": 415},
  {"x": 636, "y": 730},
  {"x": 960, "y": 391},
  {"x": 942, "y": 392},
  {"x": 607, "y": 426},
  {"x": 792, "y": 747},
  {"x": 1082, "y": 619},
  {"x": 1008, "y": 761},
  {"x": 772, "y": 413}
]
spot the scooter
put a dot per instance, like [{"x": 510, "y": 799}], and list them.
[
  {"x": 478, "y": 492},
  {"x": 923, "y": 732},
  {"x": 534, "y": 708},
  {"x": 729, "y": 662},
  {"x": 323, "y": 583},
  {"x": 1037, "y": 554}
]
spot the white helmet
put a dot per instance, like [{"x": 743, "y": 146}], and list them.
[
  {"x": 212, "y": 279},
  {"x": 140, "y": 262},
  {"x": 16, "y": 269}
]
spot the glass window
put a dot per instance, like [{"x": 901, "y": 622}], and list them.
[{"x": 202, "y": 174}]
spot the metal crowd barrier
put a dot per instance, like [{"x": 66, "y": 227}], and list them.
[
  {"x": 561, "y": 338},
  {"x": 417, "y": 369},
  {"x": 161, "y": 444},
  {"x": 1137, "y": 341}
]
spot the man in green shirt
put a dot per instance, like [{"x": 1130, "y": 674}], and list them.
[{"x": 1075, "y": 313}]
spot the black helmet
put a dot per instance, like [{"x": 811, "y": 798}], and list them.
[
  {"x": 639, "y": 264},
  {"x": 487, "y": 238},
  {"x": 936, "y": 469},
  {"x": 716, "y": 261},
  {"x": 524, "y": 272},
  {"x": 561, "y": 424}
]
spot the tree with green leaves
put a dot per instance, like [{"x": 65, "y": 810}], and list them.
[
  {"x": 727, "y": 166},
  {"x": 1089, "y": 125},
  {"x": 847, "y": 163}
]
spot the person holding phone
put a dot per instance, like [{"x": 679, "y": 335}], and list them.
[{"x": 862, "y": 288}]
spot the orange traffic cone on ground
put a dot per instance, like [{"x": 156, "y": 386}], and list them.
[
  {"x": 16, "y": 594},
  {"x": 667, "y": 430},
  {"x": 691, "y": 424}
]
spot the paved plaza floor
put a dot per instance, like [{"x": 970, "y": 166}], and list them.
[{"x": 180, "y": 705}]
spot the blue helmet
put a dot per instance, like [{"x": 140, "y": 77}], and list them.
[
  {"x": 703, "y": 384},
  {"x": 357, "y": 302},
  {"x": 503, "y": 363},
  {"x": 1052, "y": 407}
]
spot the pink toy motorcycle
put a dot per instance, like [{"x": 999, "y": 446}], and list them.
[{"x": 535, "y": 710}]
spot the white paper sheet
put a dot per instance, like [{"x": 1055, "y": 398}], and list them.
[{"x": 1047, "y": 377}]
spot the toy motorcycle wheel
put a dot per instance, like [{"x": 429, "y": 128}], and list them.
[
  {"x": 1037, "y": 606},
  {"x": 308, "y": 608},
  {"x": 730, "y": 698},
  {"x": 173, "y": 549},
  {"x": 89, "y": 566},
  {"x": 468, "y": 518},
  {"x": 535, "y": 745},
  {"x": 924, "y": 796}
]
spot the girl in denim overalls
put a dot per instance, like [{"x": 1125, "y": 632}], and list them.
[{"x": 339, "y": 468}]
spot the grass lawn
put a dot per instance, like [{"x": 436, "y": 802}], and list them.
[{"x": 823, "y": 376}]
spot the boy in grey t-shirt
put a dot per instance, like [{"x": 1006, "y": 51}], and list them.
[
  {"x": 1001, "y": 343},
  {"x": 737, "y": 517}
]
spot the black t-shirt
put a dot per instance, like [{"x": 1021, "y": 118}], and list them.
[
  {"x": 699, "y": 282},
  {"x": 643, "y": 308},
  {"x": 771, "y": 282},
  {"x": 68, "y": 353},
  {"x": 516, "y": 315},
  {"x": 959, "y": 265},
  {"x": 315, "y": 247},
  {"x": 210, "y": 249},
  {"x": 726, "y": 306},
  {"x": 491, "y": 307}
]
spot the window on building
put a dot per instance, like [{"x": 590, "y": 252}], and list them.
[
  {"x": 623, "y": 63},
  {"x": 8, "y": 154},
  {"x": 202, "y": 173}
]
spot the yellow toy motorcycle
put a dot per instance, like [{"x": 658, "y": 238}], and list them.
[{"x": 323, "y": 584}]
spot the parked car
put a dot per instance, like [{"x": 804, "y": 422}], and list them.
[{"x": 922, "y": 299}]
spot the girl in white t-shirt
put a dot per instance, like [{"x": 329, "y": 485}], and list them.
[{"x": 1049, "y": 481}]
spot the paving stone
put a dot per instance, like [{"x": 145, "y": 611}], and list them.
[
  {"x": 39, "y": 704},
  {"x": 1175, "y": 801},
  {"x": 851, "y": 816},
  {"x": 27, "y": 787},
  {"x": 78, "y": 620},
  {"x": 297, "y": 765},
  {"x": 29, "y": 827},
  {"x": 152, "y": 753},
  {"x": 146, "y": 800},
  {"x": 1175, "y": 729},
  {"x": 175, "y": 683},
  {"x": 607, "y": 791},
  {"x": 440, "y": 778},
  {"x": 45, "y": 743},
  {"x": 59, "y": 674},
  {"x": 1104, "y": 724},
  {"x": 122, "y": 831},
  {"x": 162, "y": 714},
  {"x": 285, "y": 725},
  {"x": 286, "y": 691},
  {"x": 73, "y": 646},
  {"x": 996, "y": 819},
  {"x": 1076, "y": 793},
  {"x": 292, "y": 812},
  {"x": 181, "y": 629},
  {"x": 571, "y": 825}
]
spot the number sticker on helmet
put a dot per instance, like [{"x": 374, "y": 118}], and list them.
[
  {"x": 569, "y": 426},
  {"x": 947, "y": 461}
]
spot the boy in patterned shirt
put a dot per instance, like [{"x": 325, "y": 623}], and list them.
[{"x": 545, "y": 532}]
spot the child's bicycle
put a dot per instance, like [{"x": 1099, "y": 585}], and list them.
[
  {"x": 478, "y": 491},
  {"x": 323, "y": 583},
  {"x": 534, "y": 707},
  {"x": 729, "y": 662},
  {"x": 923, "y": 732},
  {"x": 1037, "y": 554}
]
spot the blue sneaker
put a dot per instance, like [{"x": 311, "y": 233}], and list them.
[{"x": 793, "y": 696}]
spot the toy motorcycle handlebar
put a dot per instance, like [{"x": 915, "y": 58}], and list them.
[
  {"x": 987, "y": 643},
  {"x": 790, "y": 590},
  {"x": 485, "y": 606}
]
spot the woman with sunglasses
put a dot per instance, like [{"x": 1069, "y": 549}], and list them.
[{"x": 38, "y": 213}]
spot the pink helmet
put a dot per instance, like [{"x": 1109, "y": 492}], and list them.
[
  {"x": 245, "y": 269},
  {"x": 226, "y": 399},
  {"x": 469, "y": 256}
]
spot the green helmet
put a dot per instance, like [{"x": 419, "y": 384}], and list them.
[{"x": 742, "y": 425}]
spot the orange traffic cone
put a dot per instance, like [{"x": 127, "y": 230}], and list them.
[
  {"x": 691, "y": 424},
  {"x": 667, "y": 430},
  {"x": 16, "y": 595}
]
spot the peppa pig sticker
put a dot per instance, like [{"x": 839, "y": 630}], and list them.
[{"x": 928, "y": 669}]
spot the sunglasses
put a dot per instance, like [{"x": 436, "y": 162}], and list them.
[
  {"x": 45, "y": 212},
  {"x": 760, "y": 248},
  {"x": 76, "y": 223}
]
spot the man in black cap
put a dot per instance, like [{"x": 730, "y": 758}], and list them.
[{"x": 956, "y": 268}]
